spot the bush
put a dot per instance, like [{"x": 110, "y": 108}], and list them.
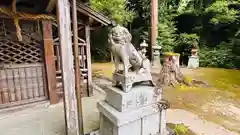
[
  {"x": 185, "y": 43},
  {"x": 167, "y": 36},
  {"x": 100, "y": 51},
  {"x": 221, "y": 57}
]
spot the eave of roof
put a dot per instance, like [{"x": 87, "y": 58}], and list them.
[
  {"x": 82, "y": 8},
  {"x": 94, "y": 14}
]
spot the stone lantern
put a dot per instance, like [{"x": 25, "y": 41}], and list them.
[
  {"x": 143, "y": 48},
  {"x": 156, "y": 56},
  {"x": 193, "y": 61}
]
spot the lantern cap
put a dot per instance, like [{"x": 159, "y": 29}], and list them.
[
  {"x": 157, "y": 47},
  {"x": 144, "y": 44}
]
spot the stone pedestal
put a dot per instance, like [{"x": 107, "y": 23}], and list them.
[
  {"x": 193, "y": 62},
  {"x": 126, "y": 82},
  {"x": 132, "y": 113},
  {"x": 139, "y": 96}
]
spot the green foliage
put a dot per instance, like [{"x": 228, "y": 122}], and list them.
[
  {"x": 116, "y": 9},
  {"x": 99, "y": 45},
  {"x": 185, "y": 6},
  {"x": 212, "y": 25},
  {"x": 181, "y": 129},
  {"x": 166, "y": 36},
  {"x": 188, "y": 39},
  {"x": 234, "y": 47},
  {"x": 222, "y": 12},
  {"x": 225, "y": 55},
  {"x": 185, "y": 43},
  {"x": 216, "y": 57}
]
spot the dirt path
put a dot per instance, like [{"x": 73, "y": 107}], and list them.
[
  {"x": 229, "y": 113},
  {"x": 195, "y": 123}
]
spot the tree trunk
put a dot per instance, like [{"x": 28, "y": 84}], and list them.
[{"x": 170, "y": 73}]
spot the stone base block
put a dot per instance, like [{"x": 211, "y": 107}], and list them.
[
  {"x": 108, "y": 128},
  {"x": 156, "y": 62},
  {"x": 142, "y": 121},
  {"x": 139, "y": 96},
  {"x": 122, "y": 118},
  {"x": 148, "y": 125}
]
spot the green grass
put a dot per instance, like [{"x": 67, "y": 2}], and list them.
[
  {"x": 103, "y": 69},
  {"x": 222, "y": 79}
]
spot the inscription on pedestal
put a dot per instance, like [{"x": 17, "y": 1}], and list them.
[
  {"x": 129, "y": 103},
  {"x": 139, "y": 96},
  {"x": 142, "y": 99}
]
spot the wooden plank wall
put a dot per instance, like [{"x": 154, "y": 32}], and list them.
[{"x": 21, "y": 84}]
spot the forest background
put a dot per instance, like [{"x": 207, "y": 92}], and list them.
[{"x": 211, "y": 25}]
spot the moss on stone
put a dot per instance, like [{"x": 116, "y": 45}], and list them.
[{"x": 170, "y": 54}]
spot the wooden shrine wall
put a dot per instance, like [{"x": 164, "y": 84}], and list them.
[{"x": 22, "y": 78}]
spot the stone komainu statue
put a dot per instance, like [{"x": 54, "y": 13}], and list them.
[
  {"x": 122, "y": 49},
  {"x": 136, "y": 68}
]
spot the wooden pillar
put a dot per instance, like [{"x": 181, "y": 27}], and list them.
[
  {"x": 49, "y": 61},
  {"x": 77, "y": 65},
  {"x": 68, "y": 76},
  {"x": 89, "y": 62},
  {"x": 154, "y": 23}
]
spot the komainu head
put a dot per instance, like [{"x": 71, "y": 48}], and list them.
[{"x": 120, "y": 33}]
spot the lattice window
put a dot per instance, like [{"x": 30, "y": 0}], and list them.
[{"x": 15, "y": 52}]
